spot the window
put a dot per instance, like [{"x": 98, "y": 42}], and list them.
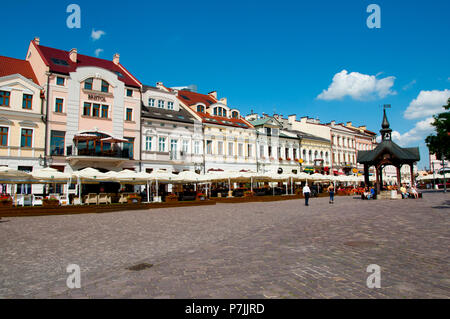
[
  {"x": 24, "y": 188},
  {"x": 60, "y": 80},
  {"x": 209, "y": 147},
  {"x": 270, "y": 151},
  {"x": 261, "y": 151},
  {"x": 105, "y": 111},
  {"x": 26, "y": 102},
  {"x": 96, "y": 110},
  {"x": 200, "y": 108},
  {"x": 148, "y": 143},
  {"x": 240, "y": 149},
  {"x": 88, "y": 84},
  {"x": 129, "y": 115},
  {"x": 170, "y": 105},
  {"x": 3, "y": 136},
  {"x": 162, "y": 144},
  {"x": 173, "y": 149},
  {"x": 220, "y": 111},
  {"x": 4, "y": 98},
  {"x": 295, "y": 152},
  {"x": 129, "y": 92},
  {"x": 27, "y": 137},
  {"x": 197, "y": 147},
  {"x": 151, "y": 102},
  {"x": 87, "y": 109},
  {"x": 220, "y": 148},
  {"x": 129, "y": 146},
  {"x": 105, "y": 86},
  {"x": 249, "y": 150},
  {"x": 57, "y": 142},
  {"x": 161, "y": 104},
  {"x": 230, "y": 149},
  {"x": 59, "y": 105},
  {"x": 235, "y": 114},
  {"x": 286, "y": 153},
  {"x": 185, "y": 146}
]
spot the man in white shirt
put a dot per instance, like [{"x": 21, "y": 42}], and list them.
[{"x": 306, "y": 192}]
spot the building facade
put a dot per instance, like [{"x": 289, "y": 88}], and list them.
[
  {"x": 278, "y": 150},
  {"x": 22, "y": 128},
  {"x": 93, "y": 110},
  {"x": 228, "y": 139},
  {"x": 172, "y": 138}
]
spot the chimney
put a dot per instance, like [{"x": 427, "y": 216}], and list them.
[
  {"x": 349, "y": 124},
  {"x": 37, "y": 40},
  {"x": 213, "y": 94},
  {"x": 363, "y": 127},
  {"x": 292, "y": 118},
  {"x": 303, "y": 119},
  {"x": 159, "y": 85},
  {"x": 116, "y": 58},
  {"x": 73, "y": 55},
  {"x": 332, "y": 123},
  {"x": 224, "y": 100}
]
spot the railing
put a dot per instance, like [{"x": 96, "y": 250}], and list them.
[{"x": 120, "y": 153}]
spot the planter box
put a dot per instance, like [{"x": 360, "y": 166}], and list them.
[
  {"x": 6, "y": 204},
  {"x": 50, "y": 203},
  {"x": 202, "y": 197},
  {"x": 171, "y": 199},
  {"x": 134, "y": 200}
]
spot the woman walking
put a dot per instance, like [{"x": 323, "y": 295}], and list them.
[{"x": 331, "y": 191}]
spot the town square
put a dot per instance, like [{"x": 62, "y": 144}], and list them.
[{"x": 225, "y": 150}]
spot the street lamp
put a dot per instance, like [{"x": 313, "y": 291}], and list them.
[
  {"x": 443, "y": 173},
  {"x": 198, "y": 167}
]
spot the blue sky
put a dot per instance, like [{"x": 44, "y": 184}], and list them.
[{"x": 268, "y": 56}]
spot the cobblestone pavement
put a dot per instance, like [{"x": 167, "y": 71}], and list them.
[{"x": 253, "y": 250}]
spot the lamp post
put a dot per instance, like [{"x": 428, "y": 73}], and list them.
[{"x": 443, "y": 173}]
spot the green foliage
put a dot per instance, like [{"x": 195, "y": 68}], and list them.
[{"x": 440, "y": 143}]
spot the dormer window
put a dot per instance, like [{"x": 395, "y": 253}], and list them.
[
  {"x": 151, "y": 102},
  {"x": 161, "y": 104},
  {"x": 105, "y": 86},
  {"x": 88, "y": 84},
  {"x": 200, "y": 108},
  {"x": 235, "y": 114},
  {"x": 220, "y": 111}
]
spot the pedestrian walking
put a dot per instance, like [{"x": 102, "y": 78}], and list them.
[
  {"x": 331, "y": 191},
  {"x": 306, "y": 193}
]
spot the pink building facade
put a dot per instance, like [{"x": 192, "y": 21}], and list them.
[{"x": 92, "y": 110}]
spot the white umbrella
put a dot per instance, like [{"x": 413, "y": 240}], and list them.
[
  {"x": 90, "y": 174},
  {"x": 51, "y": 175}
]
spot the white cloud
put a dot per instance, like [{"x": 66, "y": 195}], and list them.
[
  {"x": 418, "y": 133},
  {"x": 427, "y": 103},
  {"x": 95, "y": 35},
  {"x": 98, "y": 51},
  {"x": 409, "y": 85},
  {"x": 358, "y": 86}
]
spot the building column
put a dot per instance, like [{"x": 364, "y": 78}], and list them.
[
  {"x": 377, "y": 172},
  {"x": 381, "y": 176},
  {"x": 399, "y": 177},
  {"x": 366, "y": 175},
  {"x": 411, "y": 166}
]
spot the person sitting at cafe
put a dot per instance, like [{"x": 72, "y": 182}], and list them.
[
  {"x": 413, "y": 192},
  {"x": 404, "y": 192},
  {"x": 366, "y": 194}
]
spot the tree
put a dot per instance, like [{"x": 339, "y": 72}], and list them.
[{"x": 439, "y": 144}]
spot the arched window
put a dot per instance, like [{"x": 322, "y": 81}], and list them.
[
  {"x": 105, "y": 86},
  {"x": 200, "y": 108},
  {"x": 315, "y": 154},
  {"x": 235, "y": 114},
  {"x": 220, "y": 111},
  {"x": 321, "y": 155},
  {"x": 88, "y": 84},
  {"x": 310, "y": 156}
]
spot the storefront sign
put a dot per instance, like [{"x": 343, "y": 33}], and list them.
[{"x": 95, "y": 97}]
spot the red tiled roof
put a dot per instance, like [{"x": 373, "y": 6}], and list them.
[
  {"x": 49, "y": 54},
  {"x": 192, "y": 98},
  {"x": 10, "y": 66}
]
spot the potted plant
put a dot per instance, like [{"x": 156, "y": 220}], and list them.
[
  {"x": 280, "y": 159},
  {"x": 249, "y": 194},
  {"x": 288, "y": 159},
  {"x": 172, "y": 198},
  {"x": 50, "y": 202},
  {"x": 200, "y": 196},
  {"x": 134, "y": 199},
  {"x": 5, "y": 201}
]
